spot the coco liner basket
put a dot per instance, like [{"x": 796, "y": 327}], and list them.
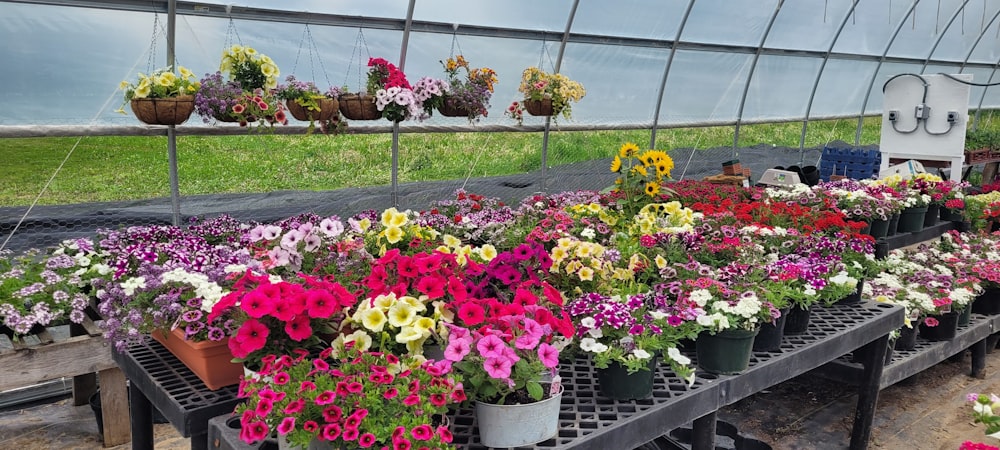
[
  {"x": 359, "y": 107},
  {"x": 163, "y": 111},
  {"x": 450, "y": 108},
  {"x": 541, "y": 107},
  {"x": 328, "y": 108}
]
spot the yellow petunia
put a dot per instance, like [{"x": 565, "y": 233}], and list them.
[
  {"x": 586, "y": 274},
  {"x": 373, "y": 319},
  {"x": 361, "y": 340},
  {"x": 488, "y": 252},
  {"x": 408, "y": 334},
  {"x": 393, "y": 234},
  {"x": 594, "y": 207},
  {"x": 416, "y": 304},
  {"x": 424, "y": 324},
  {"x": 383, "y": 302},
  {"x": 661, "y": 262},
  {"x": 401, "y": 314},
  {"x": 451, "y": 241},
  {"x": 559, "y": 254}
]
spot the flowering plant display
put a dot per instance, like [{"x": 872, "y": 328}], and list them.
[
  {"x": 430, "y": 93},
  {"x": 857, "y": 202},
  {"x": 359, "y": 398},
  {"x": 394, "y": 95},
  {"x": 278, "y": 317},
  {"x": 164, "y": 277},
  {"x": 471, "y": 217},
  {"x": 629, "y": 330},
  {"x": 536, "y": 84},
  {"x": 163, "y": 83},
  {"x": 506, "y": 355},
  {"x": 642, "y": 177},
  {"x": 471, "y": 92},
  {"x": 306, "y": 95},
  {"x": 227, "y": 101},
  {"x": 982, "y": 209},
  {"x": 39, "y": 289},
  {"x": 725, "y": 307},
  {"x": 250, "y": 68},
  {"x": 394, "y": 229}
]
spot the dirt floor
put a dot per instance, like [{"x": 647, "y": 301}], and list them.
[{"x": 927, "y": 411}]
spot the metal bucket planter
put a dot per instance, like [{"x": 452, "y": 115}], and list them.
[{"x": 518, "y": 425}]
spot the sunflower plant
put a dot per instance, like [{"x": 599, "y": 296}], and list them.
[
  {"x": 642, "y": 177},
  {"x": 163, "y": 83}
]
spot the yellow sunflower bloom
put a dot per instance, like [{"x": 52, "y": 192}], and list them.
[
  {"x": 652, "y": 189},
  {"x": 616, "y": 164},
  {"x": 628, "y": 150}
]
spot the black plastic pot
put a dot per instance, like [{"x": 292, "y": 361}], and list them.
[
  {"x": 810, "y": 175},
  {"x": 798, "y": 320},
  {"x": 907, "y": 340},
  {"x": 770, "y": 335},
  {"x": 987, "y": 303},
  {"x": 945, "y": 330}
]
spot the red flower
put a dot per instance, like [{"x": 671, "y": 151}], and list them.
[
  {"x": 320, "y": 303},
  {"x": 432, "y": 285},
  {"x": 298, "y": 328},
  {"x": 257, "y": 304},
  {"x": 251, "y": 337},
  {"x": 471, "y": 313}
]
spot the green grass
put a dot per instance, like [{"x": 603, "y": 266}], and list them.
[{"x": 131, "y": 167}]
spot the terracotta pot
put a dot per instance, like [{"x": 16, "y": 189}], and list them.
[
  {"x": 328, "y": 108},
  {"x": 359, "y": 107},
  {"x": 541, "y": 107},
  {"x": 163, "y": 111},
  {"x": 211, "y": 361}
]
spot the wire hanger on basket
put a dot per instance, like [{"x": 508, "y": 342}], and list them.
[
  {"x": 359, "y": 42},
  {"x": 314, "y": 56}
]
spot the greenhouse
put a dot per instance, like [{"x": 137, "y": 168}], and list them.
[{"x": 674, "y": 224}]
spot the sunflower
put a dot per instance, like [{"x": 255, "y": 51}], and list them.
[
  {"x": 652, "y": 189},
  {"x": 616, "y": 164},
  {"x": 628, "y": 150}
]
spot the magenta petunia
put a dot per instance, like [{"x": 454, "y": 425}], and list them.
[
  {"x": 287, "y": 425},
  {"x": 471, "y": 314},
  {"x": 258, "y": 431},
  {"x": 251, "y": 336},
  {"x": 391, "y": 393},
  {"x": 325, "y": 398},
  {"x": 331, "y": 431},
  {"x": 320, "y": 303},
  {"x": 350, "y": 434},
  {"x": 411, "y": 400},
  {"x": 548, "y": 355},
  {"x": 310, "y": 426},
  {"x": 295, "y": 406},
  {"x": 257, "y": 304},
  {"x": 366, "y": 440},
  {"x": 422, "y": 432},
  {"x": 497, "y": 367},
  {"x": 298, "y": 328}
]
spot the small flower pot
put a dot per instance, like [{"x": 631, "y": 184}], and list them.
[
  {"x": 931, "y": 217},
  {"x": 951, "y": 215},
  {"x": 770, "y": 335},
  {"x": 965, "y": 316},
  {"x": 911, "y": 220},
  {"x": 163, "y": 111},
  {"x": 798, "y": 320},
  {"x": 854, "y": 297},
  {"x": 893, "y": 225},
  {"x": 726, "y": 352},
  {"x": 541, "y": 107},
  {"x": 987, "y": 303},
  {"x": 617, "y": 384},
  {"x": 210, "y": 361},
  {"x": 879, "y": 228},
  {"x": 945, "y": 330},
  {"x": 907, "y": 340}
]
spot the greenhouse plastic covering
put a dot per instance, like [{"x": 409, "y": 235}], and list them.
[{"x": 692, "y": 61}]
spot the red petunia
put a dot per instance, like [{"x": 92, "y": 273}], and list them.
[
  {"x": 471, "y": 313},
  {"x": 320, "y": 303},
  {"x": 298, "y": 328}
]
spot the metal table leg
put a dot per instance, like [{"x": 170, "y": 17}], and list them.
[
  {"x": 141, "y": 419},
  {"x": 979, "y": 358},
  {"x": 703, "y": 432},
  {"x": 873, "y": 358}
]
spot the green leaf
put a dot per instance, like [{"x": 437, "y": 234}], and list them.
[{"x": 535, "y": 390}]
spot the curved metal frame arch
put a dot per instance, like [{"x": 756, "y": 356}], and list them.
[
  {"x": 548, "y": 120},
  {"x": 888, "y": 45},
  {"x": 943, "y": 32},
  {"x": 666, "y": 72},
  {"x": 819, "y": 75},
  {"x": 982, "y": 98},
  {"x": 394, "y": 171},
  {"x": 979, "y": 39},
  {"x": 753, "y": 67}
]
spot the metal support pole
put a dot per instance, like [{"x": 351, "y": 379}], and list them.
[
  {"x": 548, "y": 120},
  {"x": 395, "y": 125},
  {"x": 175, "y": 190},
  {"x": 666, "y": 71}
]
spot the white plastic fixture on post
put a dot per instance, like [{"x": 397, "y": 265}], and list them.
[{"x": 924, "y": 117}]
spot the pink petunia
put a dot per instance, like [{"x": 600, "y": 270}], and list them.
[
  {"x": 332, "y": 413},
  {"x": 389, "y": 394},
  {"x": 320, "y": 303},
  {"x": 931, "y": 322},
  {"x": 298, "y": 329},
  {"x": 287, "y": 425},
  {"x": 548, "y": 355},
  {"x": 307, "y": 386},
  {"x": 411, "y": 400},
  {"x": 497, "y": 367},
  {"x": 251, "y": 336},
  {"x": 355, "y": 387},
  {"x": 457, "y": 349},
  {"x": 350, "y": 434},
  {"x": 257, "y": 304},
  {"x": 310, "y": 426},
  {"x": 325, "y": 398},
  {"x": 471, "y": 314},
  {"x": 445, "y": 434},
  {"x": 331, "y": 431},
  {"x": 295, "y": 406},
  {"x": 258, "y": 431},
  {"x": 264, "y": 407},
  {"x": 422, "y": 432},
  {"x": 366, "y": 440},
  {"x": 438, "y": 399},
  {"x": 281, "y": 378},
  {"x": 432, "y": 285},
  {"x": 457, "y": 290},
  {"x": 490, "y": 346}
]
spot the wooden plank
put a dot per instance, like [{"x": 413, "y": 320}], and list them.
[
  {"x": 44, "y": 337},
  {"x": 91, "y": 328},
  {"x": 74, "y": 356},
  {"x": 114, "y": 407}
]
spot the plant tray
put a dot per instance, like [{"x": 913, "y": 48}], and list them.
[{"x": 735, "y": 180}]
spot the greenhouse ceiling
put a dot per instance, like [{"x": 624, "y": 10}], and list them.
[{"x": 644, "y": 63}]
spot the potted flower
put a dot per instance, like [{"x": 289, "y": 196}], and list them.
[
  {"x": 430, "y": 94},
  {"x": 245, "y": 96},
  {"x": 469, "y": 95},
  {"x": 38, "y": 290},
  {"x": 546, "y": 94},
  {"x": 387, "y": 94},
  {"x": 277, "y": 318},
  {"x": 163, "y": 97},
  {"x": 305, "y": 102},
  {"x": 357, "y": 399},
  {"x": 626, "y": 334},
  {"x": 509, "y": 362}
]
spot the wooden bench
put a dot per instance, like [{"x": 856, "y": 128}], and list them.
[{"x": 85, "y": 356}]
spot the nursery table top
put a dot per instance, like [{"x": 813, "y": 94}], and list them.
[{"x": 589, "y": 421}]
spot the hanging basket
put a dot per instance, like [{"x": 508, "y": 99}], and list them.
[
  {"x": 450, "y": 108},
  {"x": 163, "y": 111},
  {"x": 541, "y": 107},
  {"x": 328, "y": 108},
  {"x": 359, "y": 107}
]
